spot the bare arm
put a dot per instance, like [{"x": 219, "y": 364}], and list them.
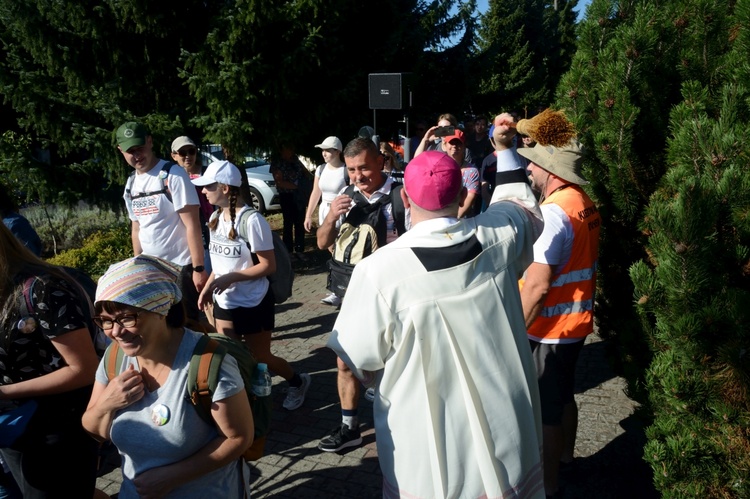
[
  {"x": 77, "y": 350},
  {"x": 312, "y": 203},
  {"x": 236, "y": 428},
  {"x": 135, "y": 229},
  {"x": 428, "y": 136},
  {"x": 191, "y": 219},
  {"x": 105, "y": 400},
  {"x": 467, "y": 204},
  {"x": 535, "y": 288}
]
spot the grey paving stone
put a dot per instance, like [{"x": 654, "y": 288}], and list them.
[{"x": 608, "y": 450}]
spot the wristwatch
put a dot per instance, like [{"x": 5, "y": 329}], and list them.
[{"x": 199, "y": 268}]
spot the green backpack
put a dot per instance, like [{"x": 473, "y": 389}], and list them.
[{"x": 203, "y": 373}]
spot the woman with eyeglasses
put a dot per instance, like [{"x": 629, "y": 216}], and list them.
[
  {"x": 185, "y": 153},
  {"x": 167, "y": 449},
  {"x": 47, "y": 358}
]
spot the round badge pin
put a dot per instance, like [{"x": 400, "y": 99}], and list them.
[{"x": 160, "y": 415}]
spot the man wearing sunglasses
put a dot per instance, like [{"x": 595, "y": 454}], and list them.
[
  {"x": 185, "y": 153},
  {"x": 163, "y": 208}
]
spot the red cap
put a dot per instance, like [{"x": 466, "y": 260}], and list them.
[
  {"x": 458, "y": 135},
  {"x": 433, "y": 180}
]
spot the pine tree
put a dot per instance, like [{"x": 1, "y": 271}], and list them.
[
  {"x": 619, "y": 91},
  {"x": 72, "y": 72},
  {"x": 524, "y": 48},
  {"x": 674, "y": 196},
  {"x": 694, "y": 297},
  {"x": 511, "y": 74}
]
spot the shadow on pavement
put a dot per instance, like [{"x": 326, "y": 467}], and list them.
[{"x": 617, "y": 471}]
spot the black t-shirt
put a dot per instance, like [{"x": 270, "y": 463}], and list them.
[{"x": 40, "y": 308}]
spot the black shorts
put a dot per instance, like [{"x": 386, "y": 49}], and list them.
[
  {"x": 556, "y": 373},
  {"x": 250, "y": 320}
]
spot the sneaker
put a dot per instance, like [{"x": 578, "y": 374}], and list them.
[
  {"x": 296, "y": 396},
  {"x": 370, "y": 394},
  {"x": 331, "y": 299},
  {"x": 340, "y": 438}
]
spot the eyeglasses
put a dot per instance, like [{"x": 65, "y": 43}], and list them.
[
  {"x": 187, "y": 152},
  {"x": 127, "y": 320}
]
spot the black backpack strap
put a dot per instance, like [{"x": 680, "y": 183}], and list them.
[
  {"x": 398, "y": 209},
  {"x": 166, "y": 168}
]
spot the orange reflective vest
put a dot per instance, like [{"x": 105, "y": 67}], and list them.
[{"x": 568, "y": 310}]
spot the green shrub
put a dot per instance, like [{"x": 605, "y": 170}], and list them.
[
  {"x": 64, "y": 228},
  {"x": 98, "y": 251}
]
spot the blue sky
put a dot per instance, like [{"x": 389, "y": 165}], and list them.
[{"x": 581, "y": 8}]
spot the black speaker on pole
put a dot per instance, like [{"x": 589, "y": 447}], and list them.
[{"x": 388, "y": 90}]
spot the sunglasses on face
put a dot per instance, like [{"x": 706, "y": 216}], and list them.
[
  {"x": 186, "y": 152},
  {"x": 106, "y": 323}
]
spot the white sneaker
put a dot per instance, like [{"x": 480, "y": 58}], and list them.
[
  {"x": 370, "y": 394},
  {"x": 331, "y": 299},
  {"x": 296, "y": 396}
]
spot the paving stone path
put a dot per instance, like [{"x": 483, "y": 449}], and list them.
[{"x": 608, "y": 449}]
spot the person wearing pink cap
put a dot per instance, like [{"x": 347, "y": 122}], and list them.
[{"x": 442, "y": 334}]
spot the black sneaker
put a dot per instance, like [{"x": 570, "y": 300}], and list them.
[{"x": 340, "y": 438}]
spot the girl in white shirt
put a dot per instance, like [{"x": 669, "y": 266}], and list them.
[
  {"x": 330, "y": 178},
  {"x": 238, "y": 288}
]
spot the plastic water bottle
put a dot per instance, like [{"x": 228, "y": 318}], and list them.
[{"x": 262, "y": 381}]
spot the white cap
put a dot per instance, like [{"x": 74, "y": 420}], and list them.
[
  {"x": 223, "y": 172},
  {"x": 331, "y": 143},
  {"x": 181, "y": 142}
]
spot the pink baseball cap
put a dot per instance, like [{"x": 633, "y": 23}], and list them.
[{"x": 433, "y": 180}]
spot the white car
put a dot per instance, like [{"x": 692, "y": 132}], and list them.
[{"x": 263, "y": 191}]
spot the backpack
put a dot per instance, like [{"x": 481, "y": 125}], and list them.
[
  {"x": 363, "y": 232},
  {"x": 164, "y": 175},
  {"x": 202, "y": 380},
  {"x": 282, "y": 279}
]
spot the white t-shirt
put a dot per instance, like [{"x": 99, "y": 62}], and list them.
[
  {"x": 555, "y": 244},
  {"x": 331, "y": 181},
  {"x": 161, "y": 231},
  {"x": 229, "y": 255}
]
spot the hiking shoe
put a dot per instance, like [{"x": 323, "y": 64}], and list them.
[
  {"x": 296, "y": 396},
  {"x": 331, "y": 299},
  {"x": 370, "y": 394},
  {"x": 340, "y": 438}
]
